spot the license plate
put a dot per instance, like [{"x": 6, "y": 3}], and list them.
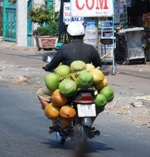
[{"x": 86, "y": 110}]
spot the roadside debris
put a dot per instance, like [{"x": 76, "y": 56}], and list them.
[
  {"x": 38, "y": 81},
  {"x": 147, "y": 97},
  {"x": 134, "y": 109},
  {"x": 23, "y": 79}
]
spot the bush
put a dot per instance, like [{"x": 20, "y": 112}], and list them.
[
  {"x": 46, "y": 19},
  {"x": 48, "y": 30}
]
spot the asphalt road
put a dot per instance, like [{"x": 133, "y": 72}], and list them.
[{"x": 24, "y": 130}]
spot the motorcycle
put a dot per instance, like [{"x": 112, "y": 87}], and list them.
[{"x": 81, "y": 125}]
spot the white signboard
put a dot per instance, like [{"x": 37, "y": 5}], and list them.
[
  {"x": 92, "y": 8},
  {"x": 66, "y": 13},
  {"x": 67, "y": 17},
  {"x": 57, "y": 5}
]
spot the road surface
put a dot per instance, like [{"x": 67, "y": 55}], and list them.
[{"x": 24, "y": 130}]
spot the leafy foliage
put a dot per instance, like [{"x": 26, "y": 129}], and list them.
[
  {"x": 46, "y": 19},
  {"x": 40, "y": 14},
  {"x": 50, "y": 30}
]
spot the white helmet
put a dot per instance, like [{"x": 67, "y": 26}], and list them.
[{"x": 75, "y": 28}]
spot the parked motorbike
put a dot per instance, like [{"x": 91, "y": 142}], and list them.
[{"x": 81, "y": 125}]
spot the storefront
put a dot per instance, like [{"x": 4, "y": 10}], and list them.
[
  {"x": 139, "y": 16},
  {"x": 129, "y": 15},
  {"x": 138, "y": 11},
  {"x": 133, "y": 42}
]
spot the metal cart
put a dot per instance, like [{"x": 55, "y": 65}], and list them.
[{"x": 133, "y": 44}]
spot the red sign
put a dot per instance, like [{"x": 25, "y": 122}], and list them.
[{"x": 92, "y": 8}]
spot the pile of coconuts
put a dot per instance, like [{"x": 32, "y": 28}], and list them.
[{"x": 80, "y": 76}]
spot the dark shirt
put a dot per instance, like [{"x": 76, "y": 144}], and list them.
[{"x": 76, "y": 50}]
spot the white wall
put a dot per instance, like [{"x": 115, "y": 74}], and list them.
[
  {"x": 21, "y": 25},
  {"x": 1, "y": 4},
  {"x": 57, "y": 5}
]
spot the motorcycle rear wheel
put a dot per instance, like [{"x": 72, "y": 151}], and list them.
[
  {"x": 81, "y": 138},
  {"x": 60, "y": 139}
]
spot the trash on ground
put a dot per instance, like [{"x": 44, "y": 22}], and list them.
[{"x": 147, "y": 97}]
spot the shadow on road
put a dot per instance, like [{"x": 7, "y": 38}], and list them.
[{"x": 92, "y": 147}]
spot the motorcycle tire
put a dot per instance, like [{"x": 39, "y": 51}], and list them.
[
  {"x": 81, "y": 138},
  {"x": 60, "y": 139}
]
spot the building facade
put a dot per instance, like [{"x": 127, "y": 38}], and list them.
[
  {"x": 17, "y": 26},
  {"x": 1, "y": 18}
]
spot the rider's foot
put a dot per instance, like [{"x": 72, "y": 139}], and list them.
[
  {"x": 51, "y": 130},
  {"x": 55, "y": 122}
]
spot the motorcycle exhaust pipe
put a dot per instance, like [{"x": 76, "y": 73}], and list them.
[{"x": 96, "y": 133}]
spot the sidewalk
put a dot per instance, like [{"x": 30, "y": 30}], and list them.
[
  {"x": 23, "y": 65},
  {"x": 13, "y": 46}
]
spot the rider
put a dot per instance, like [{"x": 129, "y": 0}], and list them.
[{"x": 75, "y": 50}]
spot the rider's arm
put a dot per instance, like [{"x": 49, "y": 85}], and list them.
[
  {"x": 96, "y": 60},
  {"x": 54, "y": 62}
]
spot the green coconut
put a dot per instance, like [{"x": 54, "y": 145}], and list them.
[
  {"x": 68, "y": 87},
  {"x": 99, "y": 109},
  {"x": 80, "y": 72},
  {"x": 77, "y": 65},
  {"x": 100, "y": 102},
  {"x": 62, "y": 70},
  {"x": 108, "y": 92},
  {"x": 85, "y": 80},
  {"x": 52, "y": 81}
]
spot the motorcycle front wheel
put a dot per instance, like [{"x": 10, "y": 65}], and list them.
[
  {"x": 81, "y": 137},
  {"x": 60, "y": 139}
]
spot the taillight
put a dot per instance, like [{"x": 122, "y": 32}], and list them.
[{"x": 84, "y": 98}]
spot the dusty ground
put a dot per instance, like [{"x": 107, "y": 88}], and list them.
[{"x": 139, "y": 115}]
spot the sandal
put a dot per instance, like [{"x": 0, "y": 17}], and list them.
[{"x": 52, "y": 129}]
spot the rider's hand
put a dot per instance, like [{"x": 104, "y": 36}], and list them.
[{"x": 44, "y": 67}]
